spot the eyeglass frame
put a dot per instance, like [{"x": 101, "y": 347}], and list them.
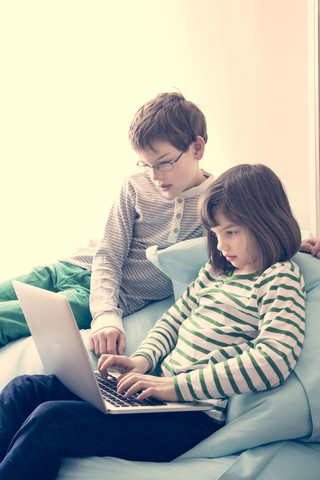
[{"x": 158, "y": 167}]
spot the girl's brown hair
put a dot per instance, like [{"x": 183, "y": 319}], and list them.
[{"x": 254, "y": 197}]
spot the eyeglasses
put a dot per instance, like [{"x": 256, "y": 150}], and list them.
[{"x": 164, "y": 166}]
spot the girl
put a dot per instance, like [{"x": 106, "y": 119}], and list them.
[{"x": 239, "y": 327}]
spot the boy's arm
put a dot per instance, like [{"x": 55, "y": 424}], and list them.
[
  {"x": 311, "y": 245},
  {"x": 107, "y": 276}
]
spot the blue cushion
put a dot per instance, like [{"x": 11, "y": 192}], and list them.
[{"x": 181, "y": 262}]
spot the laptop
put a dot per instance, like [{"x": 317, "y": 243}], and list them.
[{"x": 63, "y": 353}]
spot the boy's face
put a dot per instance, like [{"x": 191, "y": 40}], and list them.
[{"x": 185, "y": 173}]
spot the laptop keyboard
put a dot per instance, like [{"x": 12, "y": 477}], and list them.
[{"x": 108, "y": 387}]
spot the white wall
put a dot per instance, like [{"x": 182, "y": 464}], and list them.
[
  {"x": 259, "y": 108},
  {"x": 75, "y": 71}
]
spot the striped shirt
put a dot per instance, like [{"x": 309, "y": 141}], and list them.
[
  {"x": 83, "y": 256},
  {"x": 230, "y": 334},
  {"x": 123, "y": 279}
]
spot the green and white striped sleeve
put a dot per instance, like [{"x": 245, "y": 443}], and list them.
[{"x": 162, "y": 338}]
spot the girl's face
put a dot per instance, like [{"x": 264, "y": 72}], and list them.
[{"x": 235, "y": 244}]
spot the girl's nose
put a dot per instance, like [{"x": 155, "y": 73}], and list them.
[{"x": 221, "y": 245}]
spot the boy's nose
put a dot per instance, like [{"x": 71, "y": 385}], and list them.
[{"x": 156, "y": 174}]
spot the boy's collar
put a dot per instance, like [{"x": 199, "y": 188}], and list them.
[{"x": 199, "y": 189}]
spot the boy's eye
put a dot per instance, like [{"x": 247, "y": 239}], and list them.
[{"x": 162, "y": 167}]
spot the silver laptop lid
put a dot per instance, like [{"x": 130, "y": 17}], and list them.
[{"x": 58, "y": 341}]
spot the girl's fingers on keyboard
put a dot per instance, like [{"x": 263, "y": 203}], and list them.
[
  {"x": 161, "y": 388},
  {"x": 120, "y": 363}
]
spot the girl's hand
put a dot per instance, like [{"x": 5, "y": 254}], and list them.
[
  {"x": 122, "y": 364},
  {"x": 161, "y": 388}
]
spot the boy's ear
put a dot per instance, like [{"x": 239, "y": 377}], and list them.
[{"x": 198, "y": 148}]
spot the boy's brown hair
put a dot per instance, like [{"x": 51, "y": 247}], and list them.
[
  {"x": 169, "y": 117},
  {"x": 254, "y": 197}
]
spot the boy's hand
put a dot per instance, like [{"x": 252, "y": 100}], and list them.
[
  {"x": 311, "y": 245},
  {"x": 107, "y": 340},
  {"x": 161, "y": 388}
]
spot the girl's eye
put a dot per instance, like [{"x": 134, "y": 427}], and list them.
[{"x": 231, "y": 233}]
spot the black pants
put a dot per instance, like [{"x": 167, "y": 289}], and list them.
[{"x": 41, "y": 422}]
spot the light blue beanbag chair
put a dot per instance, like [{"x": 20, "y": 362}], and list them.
[
  {"x": 289, "y": 412},
  {"x": 268, "y": 435}
]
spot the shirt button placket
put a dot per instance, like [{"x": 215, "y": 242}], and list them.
[{"x": 177, "y": 217}]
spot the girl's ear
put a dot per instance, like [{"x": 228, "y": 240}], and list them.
[{"x": 198, "y": 148}]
